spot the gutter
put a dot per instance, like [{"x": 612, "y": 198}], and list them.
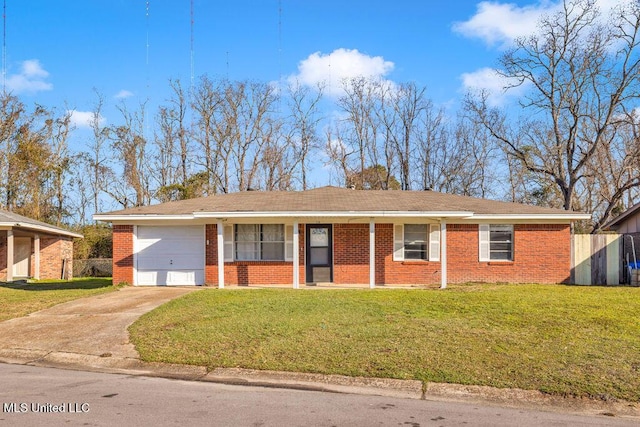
[
  {"x": 463, "y": 215},
  {"x": 49, "y": 230}
]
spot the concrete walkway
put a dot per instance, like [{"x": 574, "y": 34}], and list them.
[{"x": 90, "y": 334}]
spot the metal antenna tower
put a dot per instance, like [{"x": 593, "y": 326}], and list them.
[
  {"x": 147, "y": 46},
  {"x": 4, "y": 47},
  {"x": 192, "y": 50}
]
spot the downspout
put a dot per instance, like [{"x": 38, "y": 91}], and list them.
[
  {"x": 220, "y": 235},
  {"x": 443, "y": 254}
]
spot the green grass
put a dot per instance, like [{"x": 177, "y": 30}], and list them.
[
  {"x": 580, "y": 341},
  {"x": 18, "y": 300}
]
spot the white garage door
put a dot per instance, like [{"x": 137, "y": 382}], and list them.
[{"x": 170, "y": 256}]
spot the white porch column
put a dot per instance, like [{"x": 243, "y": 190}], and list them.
[
  {"x": 296, "y": 256},
  {"x": 9, "y": 255},
  {"x": 220, "y": 231},
  {"x": 372, "y": 253},
  {"x": 443, "y": 254},
  {"x": 36, "y": 256}
]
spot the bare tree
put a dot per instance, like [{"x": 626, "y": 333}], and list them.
[
  {"x": 129, "y": 146},
  {"x": 12, "y": 113},
  {"x": 408, "y": 103},
  {"x": 207, "y": 100},
  {"x": 614, "y": 171},
  {"x": 304, "y": 119},
  {"x": 58, "y": 129},
  {"x": 359, "y": 129},
  {"x": 581, "y": 77}
]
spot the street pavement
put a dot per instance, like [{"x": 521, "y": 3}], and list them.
[{"x": 36, "y": 396}]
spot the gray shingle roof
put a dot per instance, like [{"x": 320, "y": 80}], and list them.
[{"x": 338, "y": 200}]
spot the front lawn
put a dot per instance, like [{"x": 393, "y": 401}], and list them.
[
  {"x": 18, "y": 300},
  {"x": 582, "y": 341}
]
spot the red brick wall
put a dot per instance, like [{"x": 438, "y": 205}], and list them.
[
  {"x": 350, "y": 253},
  {"x": 393, "y": 272},
  {"x": 542, "y": 254},
  {"x": 249, "y": 272},
  {"x": 122, "y": 254},
  {"x": 53, "y": 249}
]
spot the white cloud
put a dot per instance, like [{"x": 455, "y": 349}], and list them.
[
  {"x": 123, "y": 94},
  {"x": 31, "y": 79},
  {"x": 498, "y": 23},
  {"x": 494, "y": 84},
  {"x": 84, "y": 119},
  {"x": 332, "y": 69}
]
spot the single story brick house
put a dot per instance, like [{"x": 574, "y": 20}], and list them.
[
  {"x": 340, "y": 236},
  {"x": 34, "y": 249}
]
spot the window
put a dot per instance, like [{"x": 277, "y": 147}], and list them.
[
  {"x": 416, "y": 242},
  {"x": 259, "y": 242},
  {"x": 496, "y": 242}
]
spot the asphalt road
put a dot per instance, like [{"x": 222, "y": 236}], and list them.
[{"x": 35, "y": 396}]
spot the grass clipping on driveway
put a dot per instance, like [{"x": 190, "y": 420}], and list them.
[
  {"x": 17, "y": 300},
  {"x": 577, "y": 341}
]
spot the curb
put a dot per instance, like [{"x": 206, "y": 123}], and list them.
[{"x": 388, "y": 387}]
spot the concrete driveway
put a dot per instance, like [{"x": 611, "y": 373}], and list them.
[{"x": 95, "y": 326}]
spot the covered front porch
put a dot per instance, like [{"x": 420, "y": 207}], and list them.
[
  {"x": 330, "y": 251},
  {"x": 31, "y": 249}
]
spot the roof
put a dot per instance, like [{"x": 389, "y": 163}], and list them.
[
  {"x": 617, "y": 221},
  {"x": 10, "y": 219},
  {"x": 334, "y": 201}
]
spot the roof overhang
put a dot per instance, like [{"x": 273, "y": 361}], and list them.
[
  {"x": 142, "y": 217},
  {"x": 40, "y": 228},
  {"x": 338, "y": 214},
  {"x": 532, "y": 217},
  {"x": 435, "y": 215},
  {"x": 614, "y": 224}
]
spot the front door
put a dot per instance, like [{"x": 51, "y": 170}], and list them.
[
  {"x": 21, "y": 256},
  {"x": 319, "y": 264}
]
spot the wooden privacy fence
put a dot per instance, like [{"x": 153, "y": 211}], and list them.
[{"x": 597, "y": 259}]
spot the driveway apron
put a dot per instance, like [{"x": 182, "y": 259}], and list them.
[{"x": 94, "y": 325}]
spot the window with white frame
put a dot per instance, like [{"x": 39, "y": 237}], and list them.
[
  {"x": 496, "y": 242},
  {"x": 259, "y": 242},
  {"x": 416, "y": 242}
]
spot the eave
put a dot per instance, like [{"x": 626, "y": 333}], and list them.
[
  {"x": 41, "y": 228},
  {"x": 435, "y": 215}
]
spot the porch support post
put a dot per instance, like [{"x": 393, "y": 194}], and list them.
[
  {"x": 296, "y": 256},
  {"x": 9, "y": 255},
  {"x": 372, "y": 253},
  {"x": 443, "y": 254},
  {"x": 36, "y": 256},
  {"x": 220, "y": 232}
]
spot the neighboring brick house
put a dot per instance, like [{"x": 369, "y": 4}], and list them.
[
  {"x": 34, "y": 249},
  {"x": 340, "y": 236}
]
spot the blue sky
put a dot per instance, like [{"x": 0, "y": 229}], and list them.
[{"x": 57, "y": 52}]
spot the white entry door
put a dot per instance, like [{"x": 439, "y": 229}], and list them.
[
  {"x": 169, "y": 256},
  {"x": 21, "y": 256}
]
